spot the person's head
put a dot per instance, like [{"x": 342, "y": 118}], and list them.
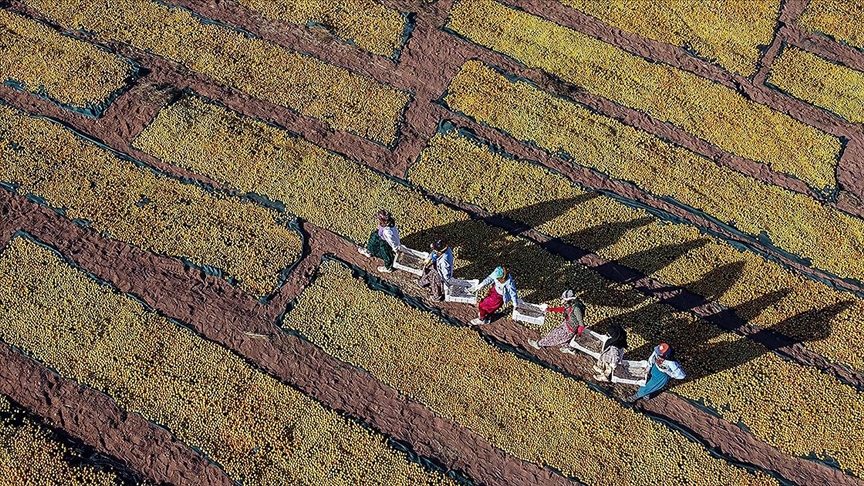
[
  {"x": 385, "y": 218},
  {"x": 438, "y": 246},
  {"x": 617, "y": 336},
  {"x": 568, "y": 296},
  {"x": 664, "y": 351},
  {"x": 500, "y": 274}
]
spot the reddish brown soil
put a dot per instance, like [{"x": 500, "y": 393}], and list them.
[
  {"x": 427, "y": 64},
  {"x": 97, "y": 421},
  {"x": 221, "y": 313}
]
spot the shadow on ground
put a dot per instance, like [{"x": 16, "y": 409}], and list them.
[{"x": 703, "y": 348}]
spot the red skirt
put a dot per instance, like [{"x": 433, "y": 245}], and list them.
[{"x": 490, "y": 303}]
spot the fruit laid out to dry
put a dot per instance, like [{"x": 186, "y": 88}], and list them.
[
  {"x": 821, "y": 82},
  {"x": 523, "y": 408},
  {"x": 707, "y": 109},
  {"x": 740, "y": 379},
  {"x": 251, "y": 156},
  {"x": 178, "y": 134},
  {"x": 839, "y": 19},
  {"x": 761, "y": 291},
  {"x": 66, "y": 70},
  {"x": 133, "y": 204},
  {"x": 729, "y": 33},
  {"x": 340, "y": 98},
  {"x": 366, "y": 23},
  {"x": 29, "y": 455},
  {"x": 258, "y": 429},
  {"x": 712, "y": 147},
  {"x": 794, "y": 222}
]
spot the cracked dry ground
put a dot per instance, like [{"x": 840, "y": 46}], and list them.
[{"x": 183, "y": 185}]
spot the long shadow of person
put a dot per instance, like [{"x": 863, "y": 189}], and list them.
[
  {"x": 660, "y": 322},
  {"x": 540, "y": 275},
  {"x": 714, "y": 284},
  {"x": 655, "y": 259},
  {"x": 602, "y": 236},
  {"x": 705, "y": 349}
]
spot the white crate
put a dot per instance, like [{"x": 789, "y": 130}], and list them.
[
  {"x": 410, "y": 260},
  {"x": 631, "y": 372},
  {"x": 456, "y": 290},
  {"x": 589, "y": 342},
  {"x": 530, "y": 313}
]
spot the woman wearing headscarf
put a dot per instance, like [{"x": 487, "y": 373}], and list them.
[
  {"x": 438, "y": 269},
  {"x": 611, "y": 353},
  {"x": 383, "y": 242},
  {"x": 503, "y": 291},
  {"x": 661, "y": 367},
  {"x": 574, "y": 315}
]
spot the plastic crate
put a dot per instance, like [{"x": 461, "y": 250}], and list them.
[
  {"x": 589, "y": 342},
  {"x": 456, "y": 290},
  {"x": 410, "y": 261},
  {"x": 531, "y": 313},
  {"x": 631, "y": 372}
]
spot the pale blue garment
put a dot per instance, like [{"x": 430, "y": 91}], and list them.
[
  {"x": 507, "y": 289},
  {"x": 658, "y": 375},
  {"x": 444, "y": 264}
]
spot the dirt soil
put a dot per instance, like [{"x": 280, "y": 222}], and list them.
[{"x": 221, "y": 313}]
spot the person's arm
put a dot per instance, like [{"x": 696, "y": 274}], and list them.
[
  {"x": 555, "y": 309},
  {"x": 578, "y": 317},
  {"x": 486, "y": 281},
  {"x": 391, "y": 236},
  {"x": 673, "y": 369},
  {"x": 651, "y": 360}
]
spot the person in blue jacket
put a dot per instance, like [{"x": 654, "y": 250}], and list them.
[
  {"x": 438, "y": 269},
  {"x": 661, "y": 367}
]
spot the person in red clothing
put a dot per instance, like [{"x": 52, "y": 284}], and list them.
[
  {"x": 574, "y": 315},
  {"x": 503, "y": 291}
]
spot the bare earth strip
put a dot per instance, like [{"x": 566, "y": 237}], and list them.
[
  {"x": 334, "y": 95},
  {"x": 221, "y": 313},
  {"x": 191, "y": 275},
  {"x": 97, "y": 420},
  {"x": 72, "y": 72}
]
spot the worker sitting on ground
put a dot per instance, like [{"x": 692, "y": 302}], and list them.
[
  {"x": 383, "y": 242},
  {"x": 502, "y": 292},
  {"x": 661, "y": 367},
  {"x": 574, "y": 315},
  {"x": 611, "y": 353},
  {"x": 437, "y": 269}
]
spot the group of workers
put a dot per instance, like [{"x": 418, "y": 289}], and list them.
[{"x": 384, "y": 243}]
